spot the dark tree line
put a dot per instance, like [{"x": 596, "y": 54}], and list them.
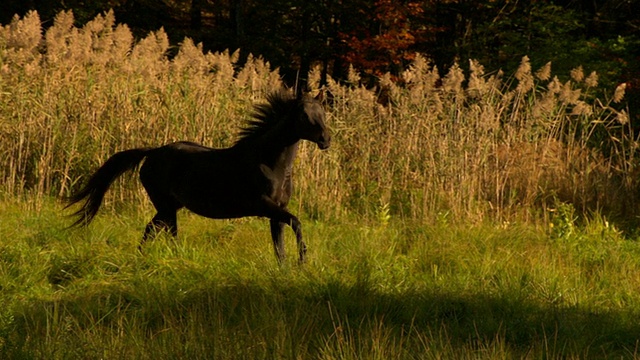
[{"x": 378, "y": 36}]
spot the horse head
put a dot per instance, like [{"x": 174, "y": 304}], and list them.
[{"x": 311, "y": 123}]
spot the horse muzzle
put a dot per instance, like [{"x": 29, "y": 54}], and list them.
[{"x": 324, "y": 144}]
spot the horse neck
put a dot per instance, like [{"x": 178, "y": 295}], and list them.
[
  {"x": 280, "y": 156},
  {"x": 278, "y": 147}
]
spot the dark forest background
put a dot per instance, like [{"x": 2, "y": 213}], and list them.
[{"x": 384, "y": 35}]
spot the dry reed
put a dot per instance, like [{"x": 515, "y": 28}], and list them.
[{"x": 474, "y": 147}]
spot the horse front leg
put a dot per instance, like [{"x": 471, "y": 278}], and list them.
[
  {"x": 277, "y": 235},
  {"x": 302, "y": 247},
  {"x": 280, "y": 216}
]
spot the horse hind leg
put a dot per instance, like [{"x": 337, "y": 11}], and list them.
[
  {"x": 166, "y": 207},
  {"x": 162, "y": 221}
]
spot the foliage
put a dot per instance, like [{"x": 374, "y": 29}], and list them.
[
  {"x": 382, "y": 36},
  {"x": 501, "y": 32},
  {"x": 386, "y": 44},
  {"x": 563, "y": 221}
]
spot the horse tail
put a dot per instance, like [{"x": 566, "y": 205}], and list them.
[{"x": 93, "y": 192}]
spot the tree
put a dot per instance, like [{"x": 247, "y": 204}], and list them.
[
  {"x": 384, "y": 40},
  {"x": 378, "y": 36}
]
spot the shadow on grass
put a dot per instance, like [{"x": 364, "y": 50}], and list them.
[{"x": 237, "y": 315}]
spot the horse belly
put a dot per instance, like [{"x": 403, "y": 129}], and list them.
[{"x": 223, "y": 206}]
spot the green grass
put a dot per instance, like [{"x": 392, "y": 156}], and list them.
[{"x": 382, "y": 290}]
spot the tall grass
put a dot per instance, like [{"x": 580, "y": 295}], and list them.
[{"x": 470, "y": 146}]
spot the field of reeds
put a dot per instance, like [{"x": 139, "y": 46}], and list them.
[
  {"x": 470, "y": 215},
  {"x": 473, "y": 146}
]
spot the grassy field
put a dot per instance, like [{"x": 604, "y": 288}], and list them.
[
  {"x": 467, "y": 215},
  {"x": 376, "y": 291}
]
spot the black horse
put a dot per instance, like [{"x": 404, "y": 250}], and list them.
[{"x": 251, "y": 178}]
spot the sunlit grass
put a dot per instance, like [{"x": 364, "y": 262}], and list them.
[{"x": 394, "y": 290}]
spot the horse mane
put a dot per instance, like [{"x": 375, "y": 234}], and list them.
[{"x": 265, "y": 117}]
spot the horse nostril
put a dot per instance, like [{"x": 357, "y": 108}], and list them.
[{"x": 323, "y": 143}]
